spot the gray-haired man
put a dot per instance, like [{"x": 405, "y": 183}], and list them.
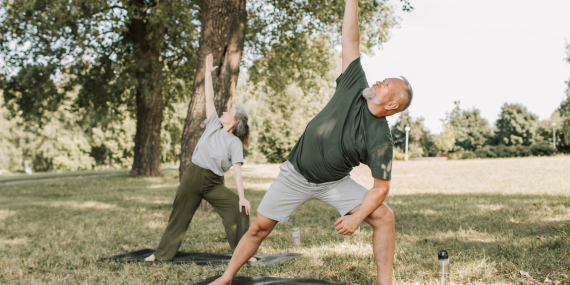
[{"x": 350, "y": 130}]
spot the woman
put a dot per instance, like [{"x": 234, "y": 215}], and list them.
[{"x": 219, "y": 148}]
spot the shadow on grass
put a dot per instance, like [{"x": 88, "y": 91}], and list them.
[{"x": 506, "y": 232}]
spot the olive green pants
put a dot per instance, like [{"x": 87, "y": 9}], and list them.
[{"x": 199, "y": 183}]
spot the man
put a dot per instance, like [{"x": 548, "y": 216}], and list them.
[{"x": 351, "y": 129}]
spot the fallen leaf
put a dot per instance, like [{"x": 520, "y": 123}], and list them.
[
  {"x": 547, "y": 280},
  {"x": 125, "y": 247},
  {"x": 525, "y": 274},
  {"x": 564, "y": 275},
  {"x": 541, "y": 237},
  {"x": 495, "y": 271},
  {"x": 557, "y": 282}
]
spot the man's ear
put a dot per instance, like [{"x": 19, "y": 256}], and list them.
[{"x": 392, "y": 105}]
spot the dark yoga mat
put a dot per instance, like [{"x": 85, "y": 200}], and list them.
[
  {"x": 239, "y": 280},
  {"x": 202, "y": 258}
]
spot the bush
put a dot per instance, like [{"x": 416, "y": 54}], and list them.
[
  {"x": 542, "y": 149},
  {"x": 462, "y": 154},
  {"x": 502, "y": 151}
]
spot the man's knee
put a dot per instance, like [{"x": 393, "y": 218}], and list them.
[
  {"x": 383, "y": 214},
  {"x": 260, "y": 229}
]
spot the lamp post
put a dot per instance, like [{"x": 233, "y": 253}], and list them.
[
  {"x": 554, "y": 135},
  {"x": 407, "y": 129}
]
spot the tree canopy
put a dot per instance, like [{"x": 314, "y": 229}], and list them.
[
  {"x": 140, "y": 56},
  {"x": 471, "y": 131},
  {"x": 516, "y": 125}
]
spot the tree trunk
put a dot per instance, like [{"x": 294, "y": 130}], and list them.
[
  {"x": 222, "y": 35},
  {"x": 148, "y": 97}
]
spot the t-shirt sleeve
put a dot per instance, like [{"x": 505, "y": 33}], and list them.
[
  {"x": 353, "y": 76},
  {"x": 213, "y": 122},
  {"x": 380, "y": 160},
  {"x": 236, "y": 152}
]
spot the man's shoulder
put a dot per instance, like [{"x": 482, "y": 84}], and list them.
[
  {"x": 378, "y": 130},
  {"x": 353, "y": 73}
]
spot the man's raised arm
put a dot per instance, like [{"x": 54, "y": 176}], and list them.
[{"x": 350, "y": 34}]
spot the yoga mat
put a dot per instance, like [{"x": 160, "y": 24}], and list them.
[
  {"x": 201, "y": 258},
  {"x": 240, "y": 280}
]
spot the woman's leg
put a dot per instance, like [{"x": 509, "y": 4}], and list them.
[
  {"x": 226, "y": 203},
  {"x": 185, "y": 204}
]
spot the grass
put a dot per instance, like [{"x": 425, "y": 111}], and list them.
[
  {"x": 496, "y": 218},
  {"x": 65, "y": 174}
]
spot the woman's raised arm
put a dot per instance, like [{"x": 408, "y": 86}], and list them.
[{"x": 210, "y": 107}]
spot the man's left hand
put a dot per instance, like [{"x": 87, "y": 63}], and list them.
[{"x": 348, "y": 224}]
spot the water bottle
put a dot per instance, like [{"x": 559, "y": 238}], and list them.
[
  {"x": 443, "y": 266},
  {"x": 296, "y": 236}
]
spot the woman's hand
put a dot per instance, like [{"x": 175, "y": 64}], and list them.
[
  {"x": 209, "y": 63},
  {"x": 243, "y": 202}
]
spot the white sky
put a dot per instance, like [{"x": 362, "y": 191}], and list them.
[{"x": 483, "y": 53}]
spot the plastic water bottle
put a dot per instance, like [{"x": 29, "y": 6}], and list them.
[
  {"x": 296, "y": 236},
  {"x": 443, "y": 266}
]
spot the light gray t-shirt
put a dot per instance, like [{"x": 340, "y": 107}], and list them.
[{"x": 217, "y": 150}]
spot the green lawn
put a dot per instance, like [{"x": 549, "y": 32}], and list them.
[{"x": 496, "y": 218}]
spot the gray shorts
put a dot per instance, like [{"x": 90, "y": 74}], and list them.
[{"x": 290, "y": 190}]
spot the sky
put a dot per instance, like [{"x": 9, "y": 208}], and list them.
[{"x": 482, "y": 53}]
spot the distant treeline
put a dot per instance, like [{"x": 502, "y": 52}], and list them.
[
  {"x": 73, "y": 138},
  {"x": 516, "y": 133}
]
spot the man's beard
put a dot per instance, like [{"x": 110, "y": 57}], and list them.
[{"x": 370, "y": 96}]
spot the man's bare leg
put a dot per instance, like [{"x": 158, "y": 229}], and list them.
[
  {"x": 247, "y": 246},
  {"x": 383, "y": 241}
]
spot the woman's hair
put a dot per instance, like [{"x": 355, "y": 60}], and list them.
[{"x": 241, "y": 129}]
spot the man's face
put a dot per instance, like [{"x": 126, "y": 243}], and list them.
[{"x": 387, "y": 90}]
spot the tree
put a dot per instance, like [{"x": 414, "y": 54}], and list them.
[
  {"x": 446, "y": 140},
  {"x": 144, "y": 54},
  {"x": 516, "y": 125},
  {"x": 563, "y": 128},
  {"x": 471, "y": 132},
  {"x": 420, "y": 141},
  {"x": 121, "y": 53}
]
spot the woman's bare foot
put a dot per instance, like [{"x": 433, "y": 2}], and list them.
[{"x": 150, "y": 258}]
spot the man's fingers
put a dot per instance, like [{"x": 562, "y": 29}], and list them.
[{"x": 338, "y": 221}]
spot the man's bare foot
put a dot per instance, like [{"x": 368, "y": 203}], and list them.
[
  {"x": 220, "y": 282},
  {"x": 150, "y": 258}
]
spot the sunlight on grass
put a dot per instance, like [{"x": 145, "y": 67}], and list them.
[
  {"x": 13, "y": 241},
  {"x": 4, "y": 214},
  {"x": 495, "y": 217},
  {"x": 78, "y": 205}
]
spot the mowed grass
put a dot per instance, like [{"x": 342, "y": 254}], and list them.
[{"x": 495, "y": 217}]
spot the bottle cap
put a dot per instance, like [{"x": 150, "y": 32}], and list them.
[
  {"x": 295, "y": 229},
  {"x": 442, "y": 254}
]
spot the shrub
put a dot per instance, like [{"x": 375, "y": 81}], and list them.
[
  {"x": 462, "y": 154},
  {"x": 542, "y": 149},
  {"x": 501, "y": 151}
]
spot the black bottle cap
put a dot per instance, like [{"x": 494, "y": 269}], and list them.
[{"x": 442, "y": 254}]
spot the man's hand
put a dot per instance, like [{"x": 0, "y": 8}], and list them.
[
  {"x": 348, "y": 224},
  {"x": 243, "y": 202}
]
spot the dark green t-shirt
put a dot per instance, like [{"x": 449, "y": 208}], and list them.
[{"x": 344, "y": 134}]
